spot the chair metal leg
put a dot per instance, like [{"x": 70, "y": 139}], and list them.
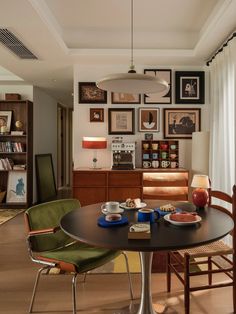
[
  {"x": 35, "y": 287},
  {"x": 128, "y": 272},
  {"x": 74, "y": 292},
  {"x": 168, "y": 272}
]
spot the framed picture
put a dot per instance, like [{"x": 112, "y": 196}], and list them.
[
  {"x": 190, "y": 87},
  {"x": 96, "y": 115},
  {"x": 123, "y": 98},
  {"x": 148, "y": 136},
  {"x": 121, "y": 121},
  {"x": 164, "y": 97},
  {"x": 149, "y": 119},
  {"x": 89, "y": 93},
  {"x": 5, "y": 121},
  {"x": 16, "y": 187},
  {"x": 181, "y": 123}
]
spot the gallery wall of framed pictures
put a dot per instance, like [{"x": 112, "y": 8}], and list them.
[{"x": 128, "y": 114}]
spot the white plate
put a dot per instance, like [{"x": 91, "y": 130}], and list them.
[
  {"x": 180, "y": 223},
  {"x": 123, "y": 205},
  {"x": 105, "y": 212}
]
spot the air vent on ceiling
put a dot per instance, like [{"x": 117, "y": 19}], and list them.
[{"x": 9, "y": 40}]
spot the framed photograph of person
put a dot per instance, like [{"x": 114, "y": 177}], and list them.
[
  {"x": 124, "y": 98},
  {"x": 149, "y": 119},
  {"x": 5, "y": 121},
  {"x": 17, "y": 187},
  {"x": 181, "y": 123},
  {"x": 96, "y": 115},
  {"x": 121, "y": 121},
  {"x": 164, "y": 97},
  {"x": 89, "y": 93},
  {"x": 190, "y": 87}
]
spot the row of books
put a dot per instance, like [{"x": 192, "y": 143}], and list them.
[
  {"x": 11, "y": 147},
  {"x": 8, "y": 164}
]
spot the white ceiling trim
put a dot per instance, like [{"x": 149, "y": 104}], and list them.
[{"x": 49, "y": 20}]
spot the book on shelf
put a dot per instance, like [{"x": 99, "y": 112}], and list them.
[
  {"x": 11, "y": 147},
  {"x": 140, "y": 231},
  {"x": 17, "y": 132},
  {"x": 5, "y": 164},
  {"x": 19, "y": 167}
]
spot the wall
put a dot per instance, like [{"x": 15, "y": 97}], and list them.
[
  {"x": 45, "y": 127},
  {"x": 82, "y": 126},
  {"x": 26, "y": 91}
]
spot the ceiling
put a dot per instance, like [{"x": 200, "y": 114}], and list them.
[{"x": 62, "y": 33}]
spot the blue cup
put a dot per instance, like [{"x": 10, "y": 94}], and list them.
[
  {"x": 146, "y": 215},
  {"x": 154, "y": 156}
]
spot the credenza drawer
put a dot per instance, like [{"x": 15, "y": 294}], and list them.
[
  {"x": 124, "y": 179},
  {"x": 89, "y": 179}
]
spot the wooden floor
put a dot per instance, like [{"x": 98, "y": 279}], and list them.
[{"x": 106, "y": 294}]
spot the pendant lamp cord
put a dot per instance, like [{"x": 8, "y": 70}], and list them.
[{"x": 132, "y": 38}]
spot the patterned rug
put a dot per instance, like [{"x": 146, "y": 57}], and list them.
[{"x": 7, "y": 214}]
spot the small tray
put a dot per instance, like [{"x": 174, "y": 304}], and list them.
[{"x": 108, "y": 224}]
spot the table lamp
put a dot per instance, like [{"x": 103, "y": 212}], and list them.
[
  {"x": 94, "y": 143},
  {"x": 200, "y": 195}
]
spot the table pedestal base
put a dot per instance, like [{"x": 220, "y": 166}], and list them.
[{"x": 146, "y": 295}]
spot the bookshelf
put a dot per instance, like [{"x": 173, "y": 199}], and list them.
[{"x": 16, "y": 153}]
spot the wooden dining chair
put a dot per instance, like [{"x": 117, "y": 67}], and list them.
[
  {"x": 50, "y": 247},
  {"x": 217, "y": 256}
]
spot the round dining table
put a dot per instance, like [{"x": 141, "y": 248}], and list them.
[{"x": 82, "y": 224}]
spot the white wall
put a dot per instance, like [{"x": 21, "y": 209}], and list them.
[
  {"x": 26, "y": 91},
  {"x": 45, "y": 128},
  {"x": 82, "y": 126}
]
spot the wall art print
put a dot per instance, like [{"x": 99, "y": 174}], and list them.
[{"x": 164, "y": 97}]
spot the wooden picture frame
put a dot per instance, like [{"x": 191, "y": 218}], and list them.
[
  {"x": 96, "y": 115},
  {"x": 5, "y": 121},
  {"x": 149, "y": 119},
  {"x": 164, "y": 97},
  {"x": 121, "y": 121},
  {"x": 190, "y": 87},
  {"x": 124, "y": 98},
  {"x": 89, "y": 93},
  {"x": 181, "y": 123},
  {"x": 17, "y": 187}
]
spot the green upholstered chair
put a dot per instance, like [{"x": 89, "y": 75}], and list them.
[{"x": 51, "y": 247}]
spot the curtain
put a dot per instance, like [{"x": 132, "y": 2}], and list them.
[{"x": 222, "y": 168}]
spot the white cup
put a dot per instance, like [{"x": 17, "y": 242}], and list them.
[{"x": 111, "y": 207}]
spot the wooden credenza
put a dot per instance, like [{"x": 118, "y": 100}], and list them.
[{"x": 99, "y": 185}]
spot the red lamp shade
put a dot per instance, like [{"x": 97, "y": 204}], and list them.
[{"x": 94, "y": 142}]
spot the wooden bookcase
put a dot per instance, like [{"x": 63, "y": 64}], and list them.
[
  {"x": 18, "y": 149},
  {"x": 160, "y": 154}
]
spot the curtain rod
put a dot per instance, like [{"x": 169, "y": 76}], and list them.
[{"x": 221, "y": 48}]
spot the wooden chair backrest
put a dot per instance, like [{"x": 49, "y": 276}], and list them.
[{"x": 227, "y": 199}]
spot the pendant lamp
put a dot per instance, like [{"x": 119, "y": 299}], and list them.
[{"x": 132, "y": 82}]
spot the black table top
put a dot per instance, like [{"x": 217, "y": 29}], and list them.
[{"x": 81, "y": 224}]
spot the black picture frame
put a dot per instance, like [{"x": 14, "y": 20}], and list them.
[
  {"x": 89, "y": 93},
  {"x": 121, "y": 121},
  {"x": 180, "y": 123},
  {"x": 190, "y": 87},
  {"x": 45, "y": 178},
  {"x": 164, "y": 97},
  {"x": 96, "y": 115}
]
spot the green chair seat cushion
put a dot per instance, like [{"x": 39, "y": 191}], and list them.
[{"x": 82, "y": 256}]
